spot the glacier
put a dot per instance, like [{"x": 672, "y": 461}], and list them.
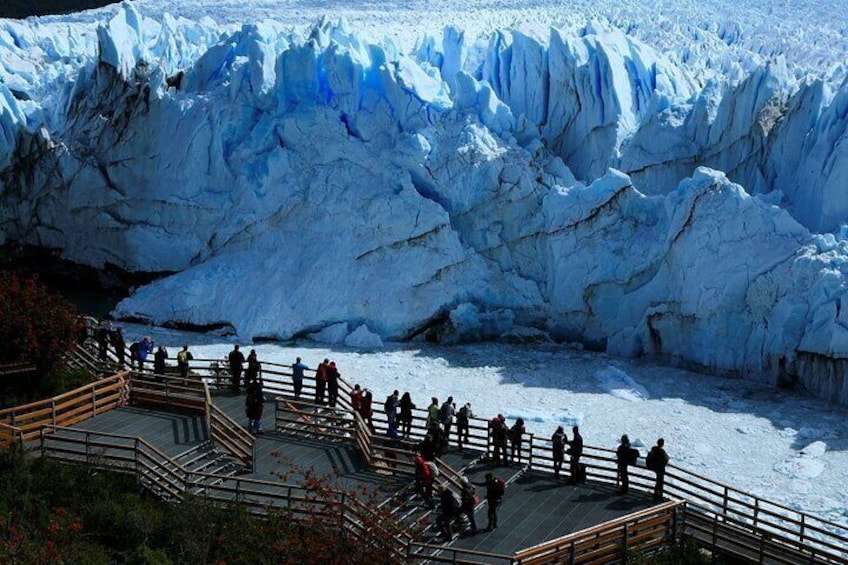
[{"x": 529, "y": 182}]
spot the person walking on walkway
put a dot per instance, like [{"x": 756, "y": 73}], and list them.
[
  {"x": 657, "y": 461},
  {"x": 321, "y": 381},
  {"x": 297, "y": 377},
  {"x": 253, "y": 406},
  {"x": 495, "y": 490},
  {"x": 575, "y": 450},
  {"x": 463, "y": 416},
  {"x": 468, "y": 502},
  {"x": 424, "y": 479},
  {"x": 236, "y": 362},
  {"x": 183, "y": 357},
  {"x": 448, "y": 511},
  {"x": 558, "y": 441},
  {"x": 406, "y": 407},
  {"x": 623, "y": 458}
]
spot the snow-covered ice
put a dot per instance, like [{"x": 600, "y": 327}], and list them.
[{"x": 647, "y": 182}]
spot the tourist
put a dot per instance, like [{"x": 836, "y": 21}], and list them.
[
  {"x": 390, "y": 407},
  {"x": 183, "y": 357},
  {"x": 321, "y": 381},
  {"x": 446, "y": 415},
  {"x": 499, "y": 431},
  {"x": 159, "y": 360},
  {"x": 448, "y": 510},
  {"x": 495, "y": 490},
  {"x": 297, "y": 377},
  {"x": 424, "y": 479},
  {"x": 367, "y": 409},
  {"x": 253, "y": 405},
  {"x": 254, "y": 368},
  {"x": 406, "y": 407},
  {"x": 356, "y": 399},
  {"x": 117, "y": 339},
  {"x": 516, "y": 439},
  {"x": 623, "y": 458},
  {"x": 433, "y": 412},
  {"x": 463, "y": 416},
  {"x": 236, "y": 361},
  {"x": 332, "y": 384},
  {"x": 575, "y": 451},
  {"x": 468, "y": 502},
  {"x": 657, "y": 461},
  {"x": 558, "y": 441}
]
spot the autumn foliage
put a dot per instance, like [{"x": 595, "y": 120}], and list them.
[{"x": 36, "y": 325}]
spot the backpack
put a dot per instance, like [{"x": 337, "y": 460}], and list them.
[
  {"x": 651, "y": 460},
  {"x": 182, "y": 357},
  {"x": 632, "y": 456},
  {"x": 434, "y": 470},
  {"x": 389, "y": 405},
  {"x": 134, "y": 349},
  {"x": 499, "y": 487}
]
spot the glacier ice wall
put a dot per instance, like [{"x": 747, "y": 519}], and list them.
[{"x": 574, "y": 183}]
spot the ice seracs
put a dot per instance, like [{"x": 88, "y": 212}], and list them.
[{"x": 536, "y": 182}]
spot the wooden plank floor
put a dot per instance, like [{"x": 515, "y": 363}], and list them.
[
  {"x": 170, "y": 432},
  {"x": 536, "y": 508}
]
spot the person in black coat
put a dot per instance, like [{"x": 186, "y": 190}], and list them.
[
  {"x": 622, "y": 458},
  {"x": 448, "y": 510},
  {"x": 406, "y": 407},
  {"x": 657, "y": 462},
  {"x": 253, "y": 406},
  {"x": 159, "y": 360},
  {"x": 575, "y": 450},
  {"x": 236, "y": 361}
]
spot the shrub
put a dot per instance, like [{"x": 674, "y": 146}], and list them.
[{"x": 36, "y": 326}]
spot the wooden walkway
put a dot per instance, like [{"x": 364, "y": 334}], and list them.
[
  {"x": 201, "y": 448},
  {"x": 536, "y": 507}
]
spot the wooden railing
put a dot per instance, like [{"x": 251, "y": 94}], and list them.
[
  {"x": 170, "y": 480},
  {"x": 782, "y": 526},
  {"x": 119, "y": 453},
  {"x": 609, "y": 542},
  {"x": 227, "y": 433},
  {"x": 25, "y": 422},
  {"x": 168, "y": 392}
]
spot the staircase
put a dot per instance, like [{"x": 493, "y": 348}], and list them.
[{"x": 203, "y": 460}]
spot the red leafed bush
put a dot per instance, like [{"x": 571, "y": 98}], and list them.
[{"x": 36, "y": 325}]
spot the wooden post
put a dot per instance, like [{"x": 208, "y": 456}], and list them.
[
  {"x": 624, "y": 546},
  {"x": 52, "y": 411},
  {"x": 530, "y": 456},
  {"x": 803, "y": 527},
  {"x": 94, "y": 400}
]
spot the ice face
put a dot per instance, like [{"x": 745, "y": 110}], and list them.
[{"x": 534, "y": 182}]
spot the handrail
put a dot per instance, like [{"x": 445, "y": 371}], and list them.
[
  {"x": 68, "y": 408},
  {"x": 286, "y": 495},
  {"x": 231, "y": 436},
  {"x": 553, "y": 549},
  {"x": 708, "y": 495}
]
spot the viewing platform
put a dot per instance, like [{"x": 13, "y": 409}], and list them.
[{"x": 187, "y": 437}]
